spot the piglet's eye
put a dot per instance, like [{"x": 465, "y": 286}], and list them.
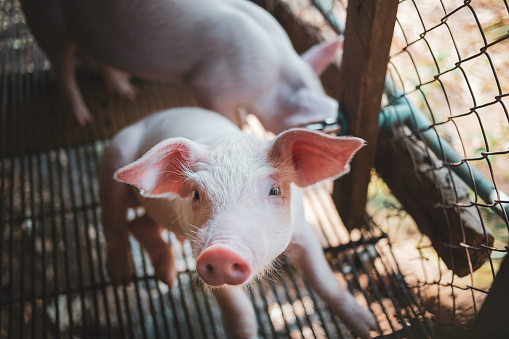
[
  {"x": 275, "y": 191},
  {"x": 196, "y": 195}
]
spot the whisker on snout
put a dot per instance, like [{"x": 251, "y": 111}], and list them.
[
  {"x": 272, "y": 272},
  {"x": 179, "y": 217},
  {"x": 197, "y": 280}
]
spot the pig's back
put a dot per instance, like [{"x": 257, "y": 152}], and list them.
[
  {"x": 159, "y": 39},
  {"x": 193, "y": 123},
  {"x": 265, "y": 20}
]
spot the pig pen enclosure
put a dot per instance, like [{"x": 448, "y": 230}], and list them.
[{"x": 422, "y": 229}]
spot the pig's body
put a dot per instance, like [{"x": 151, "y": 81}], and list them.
[
  {"x": 231, "y": 53},
  {"x": 232, "y": 194}
]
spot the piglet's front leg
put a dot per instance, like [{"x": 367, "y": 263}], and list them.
[
  {"x": 307, "y": 255},
  {"x": 238, "y": 312}
]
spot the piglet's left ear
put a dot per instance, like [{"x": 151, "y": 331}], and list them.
[
  {"x": 162, "y": 169},
  {"x": 315, "y": 156}
]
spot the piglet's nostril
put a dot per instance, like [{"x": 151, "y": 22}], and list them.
[{"x": 210, "y": 268}]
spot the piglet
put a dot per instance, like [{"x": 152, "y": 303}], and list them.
[
  {"x": 231, "y": 53},
  {"x": 235, "y": 196}
]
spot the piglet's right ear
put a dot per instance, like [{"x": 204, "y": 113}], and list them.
[
  {"x": 320, "y": 56},
  {"x": 314, "y": 156},
  {"x": 161, "y": 169}
]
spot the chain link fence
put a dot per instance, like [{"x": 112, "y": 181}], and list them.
[{"x": 445, "y": 120}]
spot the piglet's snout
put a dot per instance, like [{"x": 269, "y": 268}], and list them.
[{"x": 218, "y": 265}]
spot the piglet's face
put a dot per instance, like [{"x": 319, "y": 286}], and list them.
[
  {"x": 242, "y": 233},
  {"x": 240, "y": 211},
  {"x": 236, "y": 195}
]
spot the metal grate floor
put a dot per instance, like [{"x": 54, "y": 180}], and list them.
[{"x": 53, "y": 280}]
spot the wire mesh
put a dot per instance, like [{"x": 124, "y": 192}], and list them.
[
  {"x": 448, "y": 64},
  {"x": 457, "y": 76}
]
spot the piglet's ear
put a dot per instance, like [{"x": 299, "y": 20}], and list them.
[
  {"x": 314, "y": 156},
  {"x": 320, "y": 56},
  {"x": 161, "y": 170}
]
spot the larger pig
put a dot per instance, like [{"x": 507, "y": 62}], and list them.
[
  {"x": 235, "y": 196},
  {"x": 231, "y": 53}
]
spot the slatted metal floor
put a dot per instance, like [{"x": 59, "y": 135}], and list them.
[{"x": 53, "y": 279}]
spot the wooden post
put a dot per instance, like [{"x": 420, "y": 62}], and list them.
[{"x": 368, "y": 36}]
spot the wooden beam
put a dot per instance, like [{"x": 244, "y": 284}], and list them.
[{"x": 368, "y": 36}]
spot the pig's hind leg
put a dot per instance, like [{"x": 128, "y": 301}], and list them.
[
  {"x": 62, "y": 60},
  {"x": 47, "y": 22},
  {"x": 307, "y": 255},
  {"x": 149, "y": 235}
]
